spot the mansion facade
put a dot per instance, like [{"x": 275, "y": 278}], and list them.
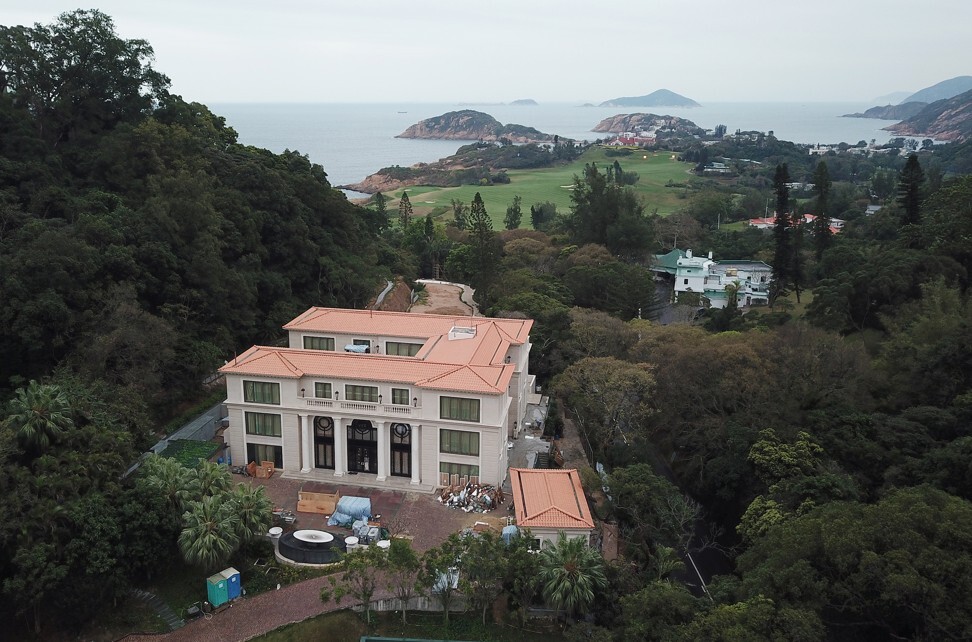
[{"x": 368, "y": 397}]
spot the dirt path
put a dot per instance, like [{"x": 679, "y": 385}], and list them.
[{"x": 446, "y": 298}]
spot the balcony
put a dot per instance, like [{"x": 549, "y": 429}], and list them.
[{"x": 364, "y": 408}]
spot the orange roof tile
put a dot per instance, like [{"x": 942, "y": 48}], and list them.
[
  {"x": 401, "y": 324},
  {"x": 547, "y": 498},
  {"x": 295, "y": 363}
]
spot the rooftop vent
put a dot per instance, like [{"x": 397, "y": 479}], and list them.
[{"x": 459, "y": 332}]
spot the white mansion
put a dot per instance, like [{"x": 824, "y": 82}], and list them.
[{"x": 425, "y": 398}]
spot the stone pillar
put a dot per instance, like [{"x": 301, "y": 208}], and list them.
[
  {"x": 384, "y": 450},
  {"x": 306, "y": 443},
  {"x": 340, "y": 447},
  {"x": 416, "y": 454}
]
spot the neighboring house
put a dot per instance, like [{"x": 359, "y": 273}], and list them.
[
  {"x": 708, "y": 278},
  {"x": 767, "y": 222},
  {"x": 424, "y": 399},
  {"x": 549, "y": 502}
]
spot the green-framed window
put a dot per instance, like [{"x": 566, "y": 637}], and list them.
[
  {"x": 458, "y": 442},
  {"x": 322, "y": 390},
  {"x": 400, "y": 349},
  {"x": 400, "y": 396},
  {"x": 319, "y": 343},
  {"x": 261, "y": 392},
  {"x": 463, "y": 470},
  {"x": 361, "y": 393},
  {"x": 458, "y": 408},
  {"x": 262, "y": 423}
]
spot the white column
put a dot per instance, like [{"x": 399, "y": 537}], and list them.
[
  {"x": 416, "y": 462},
  {"x": 340, "y": 447},
  {"x": 384, "y": 450},
  {"x": 306, "y": 430}
]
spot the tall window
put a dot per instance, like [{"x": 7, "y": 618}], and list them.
[
  {"x": 361, "y": 393},
  {"x": 397, "y": 348},
  {"x": 261, "y": 392},
  {"x": 322, "y": 390},
  {"x": 261, "y": 423},
  {"x": 400, "y": 396},
  {"x": 459, "y": 442},
  {"x": 262, "y": 452},
  {"x": 458, "y": 408},
  {"x": 319, "y": 343},
  {"x": 458, "y": 469}
]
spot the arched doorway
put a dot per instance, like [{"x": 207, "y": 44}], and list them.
[
  {"x": 324, "y": 442},
  {"x": 401, "y": 450},
  {"x": 362, "y": 447}
]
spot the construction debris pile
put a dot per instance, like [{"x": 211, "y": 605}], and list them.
[{"x": 470, "y": 497}]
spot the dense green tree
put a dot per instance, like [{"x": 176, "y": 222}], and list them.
[
  {"x": 460, "y": 214},
  {"x": 514, "y": 214},
  {"x": 782, "y": 236},
  {"x": 39, "y": 414},
  {"x": 361, "y": 576},
  {"x": 900, "y": 568},
  {"x": 653, "y": 512},
  {"x": 404, "y": 211},
  {"x": 758, "y": 618},
  {"x": 210, "y": 534},
  {"x": 910, "y": 190},
  {"x": 821, "y": 224},
  {"x": 522, "y": 567},
  {"x": 402, "y": 573},
  {"x": 651, "y": 612},
  {"x": 76, "y": 77},
  {"x": 381, "y": 209},
  {"x": 254, "y": 509},
  {"x": 542, "y": 215},
  {"x": 571, "y": 573},
  {"x": 485, "y": 565},
  {"x": 611, "y": 399},
  {"x": 484, "y": 249},
  {"x": 442, "y": 572}
]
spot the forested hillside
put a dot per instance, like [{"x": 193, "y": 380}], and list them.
[{"x": 139, "y": 241}]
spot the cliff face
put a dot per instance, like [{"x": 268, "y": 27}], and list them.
[
  {"x": 468, "y": 124},
  {"x": 642, "y": 122},
  {"x": 891, "y": 112},
  {"x": 949, "y": 120}
]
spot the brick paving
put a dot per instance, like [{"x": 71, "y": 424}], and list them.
[{"x": 418, "y": 516}]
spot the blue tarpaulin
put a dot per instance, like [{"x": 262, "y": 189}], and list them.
[{"x": 355, "y": 508}]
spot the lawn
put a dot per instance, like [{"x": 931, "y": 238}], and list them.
[
  {"x": 554, "y": 184},
  {"x": 348, "y": 626}
]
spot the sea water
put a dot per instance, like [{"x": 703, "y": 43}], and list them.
[{"x": 352, "y": 141}]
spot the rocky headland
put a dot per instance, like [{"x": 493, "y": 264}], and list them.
[{"x": 469, "y": 124}]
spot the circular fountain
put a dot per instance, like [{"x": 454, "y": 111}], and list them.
[{"x": 308, "y": 547}]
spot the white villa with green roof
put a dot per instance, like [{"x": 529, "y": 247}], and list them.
[
  {"x": 382, "y": 398},
  {"x": 709, "y": 278}
]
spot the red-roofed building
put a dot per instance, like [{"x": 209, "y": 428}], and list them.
[
  {"x": 549, "y": 502},
  {"x": 382, "y": 398}
]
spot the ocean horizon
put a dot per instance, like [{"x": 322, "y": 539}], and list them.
[{"x": 353, "y": 140}]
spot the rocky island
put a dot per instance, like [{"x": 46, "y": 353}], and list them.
[
  {"x": 468, "y": 124},
  {"x": 647, "y": 122},
  {"x": 659, "y": 98}
]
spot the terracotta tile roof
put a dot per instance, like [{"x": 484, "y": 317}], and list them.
[
  {"x": 294, "y": 363},
  {"x": 546, "y": 498},
  {"x": 402, "y": 324}
]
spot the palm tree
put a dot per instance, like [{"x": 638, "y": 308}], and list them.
[
  {"x": 211, "y": 479},
  {"x": 570, "y": 573},
  {"x": 171, "y": 480},
  {"x": 254, "y": 508},
  {"x": 39, "y": 414},
  {"x": 211, "y": 532}
]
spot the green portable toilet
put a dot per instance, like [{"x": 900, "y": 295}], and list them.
[
  {"x": 233, "y": 587},
  {"x": 216, "y": 589}
]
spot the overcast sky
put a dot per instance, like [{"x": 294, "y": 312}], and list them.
[{"x": 218, "y": 51}]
